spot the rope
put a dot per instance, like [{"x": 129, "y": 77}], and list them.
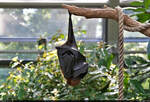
[
  {"x": 121, "y": 52},
  {"x": 121, "y": 47},
  {"x": 137, "y": 28}
]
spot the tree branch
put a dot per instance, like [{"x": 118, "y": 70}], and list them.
[{"x": 105, "y": 12}]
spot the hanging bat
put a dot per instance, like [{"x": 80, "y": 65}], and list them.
[{"x": 72, "y": 62}]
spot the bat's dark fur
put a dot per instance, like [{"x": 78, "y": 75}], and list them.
[{"x": 72, "y": 62}]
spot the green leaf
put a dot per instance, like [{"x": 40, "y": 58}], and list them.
[
  {"x": 139, "y": 10},
  {"x": 141, "y": 60},
  {"x": 143, "y": 17},
  {"x": 136, "y": 3},
  {"x": 137, "y": 86},
  {"x": 109, "y": 60},
  {"x": 21, "y": 92},
  {"x": 15, "y": 59},
  {"x": 149, "y": 56},
  {"x": 83, "y": 31},
  {"x": 126, "y": 80},
  {"x": 102, "y": 62},
  {"x": 114, "y": 70},
  {"x": 146, "y": 3},
  {"x": 145, "y": 84},
  {"x": 61, "y": 36}
]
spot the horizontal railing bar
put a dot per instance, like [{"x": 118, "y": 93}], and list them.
[
  {"x": 35, "y": 39},
  {"x": 21, "y": 51},
  {"x": 53, "y": 4},
  {"x": 90, "y": 39},
  {"x": 23, "y": 39},
  {"x": 126, "y": 52},
  {"x": 136, "y": 39},
  {"x": 36, "y": 51}
]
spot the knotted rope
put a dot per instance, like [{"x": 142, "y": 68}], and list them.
[{"x": 121, "y": 47}]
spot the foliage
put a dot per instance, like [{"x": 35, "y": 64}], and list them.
[
  {"x": 142, "y": 12},
  {"x": 43, "y": 80},
  {"x": 137, "y": 77},
  {"x": 138, "y": 68},
  {"x": 33, "y": 81}
]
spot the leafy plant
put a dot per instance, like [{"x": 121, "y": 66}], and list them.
[
  {"x": 136, "y": 77},
  {"x": 43, "y": 80},
  {"x": 142, "y": 12}
]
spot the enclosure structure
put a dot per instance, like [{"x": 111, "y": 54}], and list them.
[{"x": 105, "y": 30}]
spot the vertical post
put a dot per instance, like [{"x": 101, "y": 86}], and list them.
[
  {"x": 111, "y": 36},
  {"x": 115, "y": 37}
]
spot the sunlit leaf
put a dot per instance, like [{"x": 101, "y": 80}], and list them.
[
  {"x": 136, "y": 3},
  {"x": 40, "y": 46},
  {"x": 84, "y": 31},
  {"x": 15, "y": 59},
  {"x": 146, "y": 3},
  {"x": 139, "y": 10},
  {"x": 146, "y": 84},
  {"x": 61, "y": 36}
]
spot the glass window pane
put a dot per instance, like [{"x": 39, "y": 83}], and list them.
[
  {"x": 7, "y": 47},
  {"x": 136, "y": 46},
  {"x": 85, "y": 1},
  {"x": 4, "y": 72},
  {"x": 18, "y": 46},
  {"x": 44, "y": 22},
  {"x": 21, "y": 56},
  {"x": 133, "y": 34},
  {"x": 124, "y": 1}
]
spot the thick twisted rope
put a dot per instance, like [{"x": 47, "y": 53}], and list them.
[
  {"x": 137, "y": 28},
  {"x": 121, "y": 47},
  {"x": 121, "y": 52}
]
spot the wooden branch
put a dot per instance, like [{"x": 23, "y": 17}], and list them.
[{"x": 105, "y": 12}]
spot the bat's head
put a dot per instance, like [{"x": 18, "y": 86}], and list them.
[{"x": 73, "y": 82}]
